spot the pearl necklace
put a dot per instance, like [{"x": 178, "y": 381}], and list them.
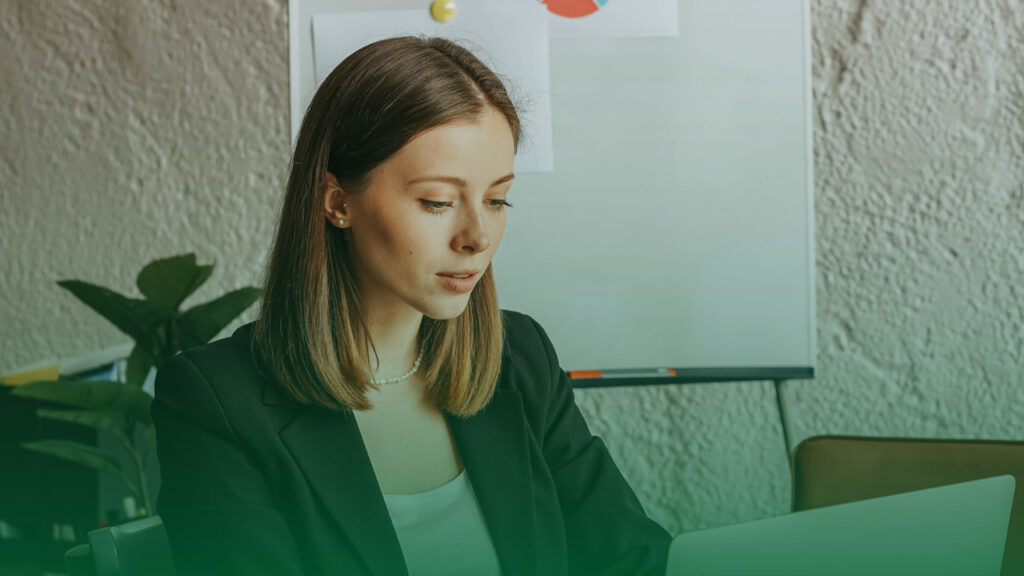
[{"x": 415, "y": 367}]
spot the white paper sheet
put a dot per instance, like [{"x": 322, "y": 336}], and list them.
[
  {"x": 611, "y": 18},
  {"x": 511, "y": 40},
  {"x": 615, "y": 18}
]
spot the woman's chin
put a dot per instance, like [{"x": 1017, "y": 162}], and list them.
[{"x": 448, "y": 311}]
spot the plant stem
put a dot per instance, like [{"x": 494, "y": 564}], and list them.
[{"x": 140, "y": 469}]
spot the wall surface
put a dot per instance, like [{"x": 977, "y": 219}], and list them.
[{"x": 131, "y": 131}]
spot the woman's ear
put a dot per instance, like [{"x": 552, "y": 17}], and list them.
[{"x": 334, "y": 201}]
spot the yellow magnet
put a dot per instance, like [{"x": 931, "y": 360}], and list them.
[{"x": 442, "y": 10}]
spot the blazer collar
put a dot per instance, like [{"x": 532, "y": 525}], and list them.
[{"x": 494, "y": 448}]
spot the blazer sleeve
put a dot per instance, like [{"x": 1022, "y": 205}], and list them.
[
  {"x": 607, "y": 530},
  {"x": 215, "y": 505}
]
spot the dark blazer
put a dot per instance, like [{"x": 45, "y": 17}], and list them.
[{"x": 254, "y": 483}]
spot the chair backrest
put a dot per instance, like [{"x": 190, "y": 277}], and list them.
[
  {"x": 830, "y": 470},
  {"x": 135, "y": 548}
]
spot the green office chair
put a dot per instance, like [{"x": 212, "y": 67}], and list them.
[
  {"x": 830, "y": 470},
  {"x": 137, "y": 548}
]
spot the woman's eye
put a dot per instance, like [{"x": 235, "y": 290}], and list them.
[
  {"x": 438, "y": 207},
  {"x": 435, "y": 207}
]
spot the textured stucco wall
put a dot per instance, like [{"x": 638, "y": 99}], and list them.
[{"x": 131, "y": 131}]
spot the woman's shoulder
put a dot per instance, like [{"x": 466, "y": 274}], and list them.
[
  {"x": 225, "y": 367},
  {"x": 532, "y": 360},
  {"x": 525, "y": 339},
  {"x": 223, "y": 357}
]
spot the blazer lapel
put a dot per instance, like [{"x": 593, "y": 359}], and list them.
[
  {"x": 330, "y": 451},
  {"x": 494, "y": 448},
  {"x": 495, "y": 451}
]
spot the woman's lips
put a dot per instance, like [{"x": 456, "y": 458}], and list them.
[{"x": 459, "y": 285}]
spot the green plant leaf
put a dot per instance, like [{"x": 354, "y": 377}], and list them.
[
  {"x": 169, "y": 281},
  {"x": 91, "y": 395},
  {"x": 150, "y": 436},
  {"x": 80, "y": 454},
  {"x": 139, "y": 363},
  {"x": 136, "y": 318},
  {"x": 108, "y": 420},
  {"x": 84, "y": 455},
  {"x": 200, "y": 324}
]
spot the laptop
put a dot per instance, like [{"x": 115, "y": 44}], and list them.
[{"x": 954, "y": 530}]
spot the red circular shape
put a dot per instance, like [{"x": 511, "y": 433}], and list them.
[{"x": 571, "y": 8}]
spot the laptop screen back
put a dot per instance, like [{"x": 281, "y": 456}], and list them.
[{"x": 952, "y": 530}]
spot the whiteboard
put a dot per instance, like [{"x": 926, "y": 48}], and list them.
[{"x": 677, "y": 228}]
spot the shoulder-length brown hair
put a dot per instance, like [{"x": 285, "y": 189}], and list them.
[{"x": 311, "y": 334}]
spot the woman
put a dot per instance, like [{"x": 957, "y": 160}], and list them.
[{"x": 456, "y": 446}]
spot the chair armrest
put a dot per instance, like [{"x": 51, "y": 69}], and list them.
[{"x": 78, "y": 561}]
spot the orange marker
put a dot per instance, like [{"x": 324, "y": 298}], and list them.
[{"x": 624, "y": 373}]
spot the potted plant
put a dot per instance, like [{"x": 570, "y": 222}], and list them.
[{"x": 160, "y": 330}]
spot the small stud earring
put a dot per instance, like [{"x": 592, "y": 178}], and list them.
[{"x": 341, "y": 222}]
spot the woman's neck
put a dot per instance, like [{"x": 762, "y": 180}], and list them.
[{"x": 396, "y": 342}]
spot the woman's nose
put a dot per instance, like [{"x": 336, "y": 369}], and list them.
[{"x": 473, "y": 235}]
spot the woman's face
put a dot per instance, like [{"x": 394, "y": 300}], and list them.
[{"x": 434, "y": 207}]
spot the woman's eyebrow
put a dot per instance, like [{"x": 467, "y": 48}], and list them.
[{"x": 457, "y": 181}]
